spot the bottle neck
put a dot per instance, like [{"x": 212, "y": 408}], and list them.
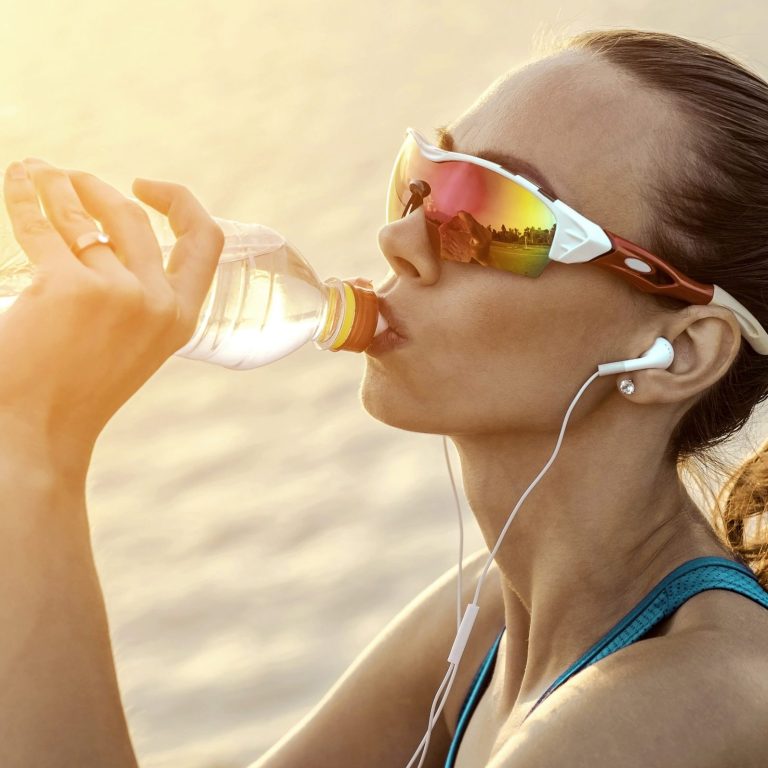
[{"x": 351, "y": 318}]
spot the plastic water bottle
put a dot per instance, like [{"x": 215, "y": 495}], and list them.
[{"x": 265, "y": 300}]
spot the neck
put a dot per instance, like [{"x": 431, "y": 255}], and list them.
[{"x": 607, "y": 521}]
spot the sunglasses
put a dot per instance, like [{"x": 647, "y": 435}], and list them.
[{"x": 477, "y": 211}]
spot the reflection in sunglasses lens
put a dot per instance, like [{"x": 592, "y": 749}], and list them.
[{"x": 479, "y": 215}]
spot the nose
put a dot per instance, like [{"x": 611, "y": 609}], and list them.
[{"x": 411, "y": 245}]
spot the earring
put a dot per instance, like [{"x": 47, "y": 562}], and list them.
[{"x": 626, "y": 386}]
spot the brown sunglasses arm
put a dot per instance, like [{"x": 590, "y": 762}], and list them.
[{"x": 651, "y": 274}]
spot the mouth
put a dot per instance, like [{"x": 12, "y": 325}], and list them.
[
  {"x": 393, "y": 321},
  {"x": 392, "y": 337}
]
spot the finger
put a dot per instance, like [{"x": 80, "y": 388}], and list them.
[
  {"x": 39, "y": 239},
  {"x": 362, "y": 282},
  {"x": 125, "y": 222},
  {"x": 195, "y": 256},
  {"x": 65, "y": 211}
]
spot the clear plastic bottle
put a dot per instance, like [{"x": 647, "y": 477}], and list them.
[{"x": 264, "y": 303}]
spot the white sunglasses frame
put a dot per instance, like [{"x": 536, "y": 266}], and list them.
[{"x": 578, "y": 240}]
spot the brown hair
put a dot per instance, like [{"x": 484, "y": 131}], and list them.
[{"x": 710, "y": 219}]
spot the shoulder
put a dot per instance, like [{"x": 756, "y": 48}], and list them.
[
  {"x": 376, "y": 712},
  {"x": 697, "y": 698}
]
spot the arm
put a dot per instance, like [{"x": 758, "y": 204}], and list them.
[
  {"x": 59, "y": 699},
  {"x": 76, "y": 344},
  {"x": 376, "y": 714}
]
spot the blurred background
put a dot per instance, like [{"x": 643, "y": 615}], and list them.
[{"x": 255, "y": 530}]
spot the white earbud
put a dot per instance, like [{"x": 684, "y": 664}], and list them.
[{"x": 660, "y": 355}]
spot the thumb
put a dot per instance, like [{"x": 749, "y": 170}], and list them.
[
  {"x": 362, "y": 282},
  {"x": 183, "y": 210}
]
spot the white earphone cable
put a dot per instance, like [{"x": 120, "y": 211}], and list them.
[
  {"x": 461, "y": 533},
  {"x": 527, "y": 491},
  {"x": 464, "y": 625},
  {"x": 433, "y": 715}
]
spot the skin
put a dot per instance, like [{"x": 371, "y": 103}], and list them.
[
  {"x": 59, "y": 701},
  {"x": 493, "y": 360}
]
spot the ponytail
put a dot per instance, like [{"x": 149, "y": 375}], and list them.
[{"x": 743, "y": 523}]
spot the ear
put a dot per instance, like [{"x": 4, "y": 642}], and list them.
[{"x": 706, "y": 340}]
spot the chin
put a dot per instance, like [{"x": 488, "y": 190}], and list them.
[{"x": 385, "y": 404}]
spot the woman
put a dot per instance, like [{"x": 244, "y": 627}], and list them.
[{"x": 656, "y": 138}]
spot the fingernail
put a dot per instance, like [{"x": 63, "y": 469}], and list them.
[{"x": 17, "y": 171}]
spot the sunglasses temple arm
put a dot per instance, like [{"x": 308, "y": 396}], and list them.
[
  {"x": 750, "y": 327},
  {"x": 653, "y": 275}
]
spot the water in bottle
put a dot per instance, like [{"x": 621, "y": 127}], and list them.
[{"x": 265, "y": 300}]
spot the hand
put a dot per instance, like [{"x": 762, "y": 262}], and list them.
[{"x": 89, "y": 331}]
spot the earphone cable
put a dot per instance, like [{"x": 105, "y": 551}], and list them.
[
  {"x": 465, "y": 624},
  {"x": 527, "y": 491},
  {"x": 424, "y": 744},
  {"x": 459, "y": 590}
]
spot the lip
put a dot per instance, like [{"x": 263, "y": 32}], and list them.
[
  {"x": 385, "y": 308},
  {"x": 390, "y": 338},
  {"x": 384, "y": 342}
]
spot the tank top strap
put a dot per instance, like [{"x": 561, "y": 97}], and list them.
[{"x": 687, "y": 580}]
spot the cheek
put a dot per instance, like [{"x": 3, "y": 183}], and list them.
[
  {"x": 512, "y": 360},
  {"x": 488, "y": 356},
  {"x": 472, "y": 366}
]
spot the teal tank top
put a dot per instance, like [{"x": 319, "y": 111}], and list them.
[{"x": 687, "y": 580}]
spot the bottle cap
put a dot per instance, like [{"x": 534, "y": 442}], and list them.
[{"x": 364, "y": 309}]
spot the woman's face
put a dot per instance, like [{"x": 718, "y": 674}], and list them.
[{"x": 491, "y": 351}]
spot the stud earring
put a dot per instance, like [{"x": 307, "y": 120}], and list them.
[{"x": 626, "y": 386}]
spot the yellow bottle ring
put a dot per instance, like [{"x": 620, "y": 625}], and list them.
[{"x": 349, "y": 316}]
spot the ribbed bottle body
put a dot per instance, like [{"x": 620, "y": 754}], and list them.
[
  {"x": 261, "y": 307},
  {"x": 265, "y": 300}
]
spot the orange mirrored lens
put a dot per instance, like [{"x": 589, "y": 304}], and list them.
[{"x": 478, "y": 215}]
